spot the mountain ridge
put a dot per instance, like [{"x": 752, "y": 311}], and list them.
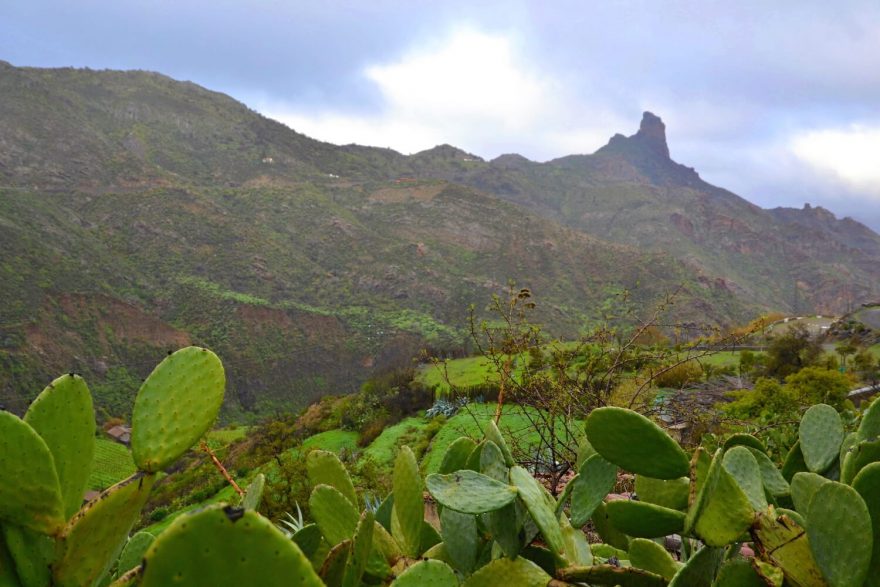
[{"x": 308, "y": 266}]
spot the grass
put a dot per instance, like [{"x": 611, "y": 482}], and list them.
[
  {"x": 383, "y": 449},
  {"x": 225, "y": 436},
  {"x": 875, "y": 350},
  {"x": 462, "y": 372},
  {"x": 112, "y": 464},
  {"x": 332, "y": 440}
]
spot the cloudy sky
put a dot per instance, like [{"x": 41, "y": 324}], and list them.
[{"x": 777, "y": 101}]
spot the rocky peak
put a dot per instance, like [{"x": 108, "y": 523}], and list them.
[{"x": 652, "y": 132}]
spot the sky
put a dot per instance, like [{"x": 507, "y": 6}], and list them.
[{"x": 777, "y": 101}]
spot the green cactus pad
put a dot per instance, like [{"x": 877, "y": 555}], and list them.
[
  {"x": 861, "y": 455},
  {"x": 175, "y": 406},
  {"x": 492, "y": 462},
  {"x": 607, "y": 551},
  {"x": 584, "y": 450},
  {"x": 361, "y": 547},
  {"x": 409, "y": 504},
  {"x": 325, "y": 468},
  {"x": 794, "y": 462},
  {"x": 869, "y": 427},
  {"x": 32, "y": 553},
  {"x": 798, "y": 518},
  {"x": 505, "y": 527},
  {"x": 771, "y": 575},
  {"x": 309, "y": 539},
  {"x": 700, "y": 569},
  {"x": 595, "y": 479},
  {"x": 738, "y": 572},
  {"x": 253, "y": 495},
  {"x": 668, "y": 493},
  {"x": 867, "y": 483},
  {"x": 611, "y": 575},
  {"x": 644, "y": 520},
  {"x": 473, "y": 461},
  {"x": 225, "y": 546},
  {"x": 648, "y": 555},
  {"x": 772, "y": 479},
  {"x": 840, "y": 534},
  {"x": 606, "y": 530},
  {"x": 456, "y": 456},
  {"x": 133, "y": 553},
  {"x": 701, "y": 462},
  {"x": 335, "y": 515},
  {"x": 722, "y": 511},
  {"x": 820, "y": 435},
  {"x": 94, "y": 537},
  {"x": 508, "y": 572},
  {"x": 747, "y": 440},
  {"x": 427, "y": 573},
  {"x": 743, "y": 466},
  {"x": 459, "y": 532},
  {"x": 8, "y": 576},
  {"x": 782, "y": 542},
  {"x": 333, "y": 569},
  {"x": 30, "y": 494},
  {"x": 541, "y": 507},
  {"x": 636, "y": 444},
  {"x": 64, "y": 418},
  {"x": 383, "y": 513},
  {"x": 494, "y": 434},
  {"x": 470, "y": 492},
  {"x": 577, "y": 549},
  {"x": 429, "y": 536},
  {"x": 803, "y": 487}
]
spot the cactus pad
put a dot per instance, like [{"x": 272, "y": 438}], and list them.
[
  {"x": 541, "y": 507},
  {"x": 325, "y": 468},
  {"x": 470, "y": 492},
  {"x": 744, "y": 468},
  {"x": 722, "y": 511},
  {"x": 32, "y": 553},
  {"x": 650, "y": 556},
  {"x": 460, "y": 538},
  {"x": 409, "y": 505},
  {"x": 64, "y": 418},
  {"x": 253, "y": 495},
  {"x": 862, "y": 454},
  {"x": 611, "y": 575},
  {"x": 175, "y": 406},
  {"x": 771, "y": 478},
  {"x": 577, "y": 550},
  {"x": 794, "y": 462},
  {"x": 492, "y": 462},
  {"x": 671, "y": 493},
  {"x": 30, "y": 495},
  {"x": 95, "y": 536},
  {"x": 335, "y": 515},
  {"x": 8, "y": 576},
  {"x": 867, "y": 483},
  {"x": 595, "y": 479},
  {"x": 360, "y": 551},
  {"x": 747, "y": 440},
  {"x": 869, "y": 428},
  {"x": 782, "y": 542},
  {"x": 820, "y": 435},
  {"x": 803, "y": 486},
  {"x": 133, "y": 553},
  {"x": 840, "y": 534},
  {"x": 644, "y": 520},
  {"x": 427, "y": 573},
  {"x": 494, "y": 434},
  {"x": 699, "y": 570},
  {"x": 505, "y": 571},
  {"x": 635, "y": 443},
  {"x": 738, "y": 572},
  {"x": 225, "y": 546},
  {"x": 606, "y": 530},
  {"x": 456, "y": 455}
]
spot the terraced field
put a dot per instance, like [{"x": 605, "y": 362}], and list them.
[{"x": 112, "y": 464}]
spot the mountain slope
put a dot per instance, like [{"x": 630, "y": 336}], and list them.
[{"x": 140, "y": 214}]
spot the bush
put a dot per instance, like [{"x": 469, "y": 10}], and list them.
[{"x": 680, "y": 375}]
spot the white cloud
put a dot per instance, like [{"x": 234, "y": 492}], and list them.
[
  {"x": 850, "y": 155},
  {"x": 474, "y": 90}
]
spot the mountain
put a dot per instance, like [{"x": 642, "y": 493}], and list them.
[{"x": 139, "y": 214}]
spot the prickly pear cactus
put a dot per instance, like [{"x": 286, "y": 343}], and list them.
[
  {"x": 470, "y": 492},
  {"x": 820, "y": 434},
  {"x": 64, "y": 418},
  {"x": 175, "y": 406},
  {"x": 636, "y": 444},
  {"x": 225, "y": 546}
]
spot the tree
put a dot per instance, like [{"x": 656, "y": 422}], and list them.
[
  {"x": 791, "y": 352},
  {"x": 815, "y": 385}
]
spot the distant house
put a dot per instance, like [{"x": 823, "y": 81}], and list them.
[
  {"x": 91, "y": 495},
  {"x": 121, "y": 434}
]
